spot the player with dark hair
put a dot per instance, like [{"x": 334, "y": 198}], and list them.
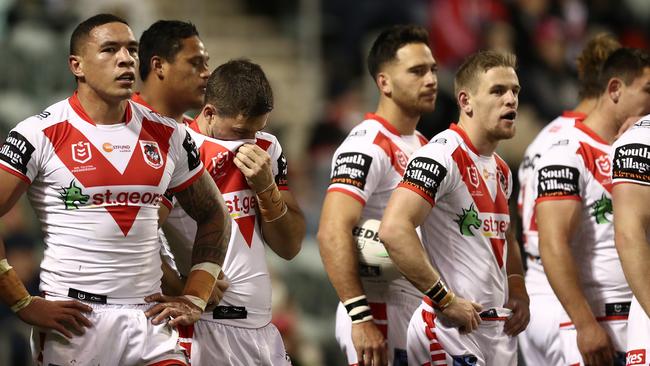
[
  {"x": 574, "y": 216},
  {"x": 372, "y": 316},
  {"x": 250, "y": 169},
  {"x": 540, "y": 343},
  {"x": 95, "y": 167},
  {"x": 456, "y": 189}
]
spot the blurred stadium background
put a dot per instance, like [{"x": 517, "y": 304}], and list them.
[{"x": 313, "y": 51}]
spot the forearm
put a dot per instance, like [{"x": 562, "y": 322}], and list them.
[
  {"x": 634, "y": 252},
  {"x": 212, "y": 237},
  {"x": 172, "y": 284},
  {"x": 12, "y": 291},
  {"x": 285, "y": 234},
  {"x": 560, "y": 268},
  {"x": 341, "y": 261}
]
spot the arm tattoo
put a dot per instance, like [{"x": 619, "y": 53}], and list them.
[{"x": 204, "y": 203}]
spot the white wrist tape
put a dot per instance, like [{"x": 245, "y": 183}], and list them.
[
  {"x": 4, "y": 266},
  {"x": 211, "y": 268}
]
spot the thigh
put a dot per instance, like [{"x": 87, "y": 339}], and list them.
[
  {"x": 540, "y": 342},
  {"x": 399, "y": 314},
  {"x": 638, "y": 336},
  {"x": 419, "y": 339}
]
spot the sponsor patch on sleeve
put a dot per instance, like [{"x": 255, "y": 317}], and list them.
[
  {"x": 283, "y": 171},
  {"x": 193, "y": 158},
  {"x": 16, "y": 151},
  {"x": 558, "y": 181},
  {"x": 425, "y": 174},
  {"x": 632, "y": 162},
  {"x": 351, "y": 168}
]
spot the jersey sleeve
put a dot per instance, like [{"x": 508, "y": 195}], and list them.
[
  {"x": 279, "y": 165},
  {"x": 428, "y": 173},
  {"x": 631, "y": 161},
  {"x": 558, "y": 175},
  {"x": 357, "y": 169},
  {"x": 21, "y": 151},
  {"x": 188, "y": 165}
]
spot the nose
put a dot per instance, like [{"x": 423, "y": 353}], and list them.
[
  {"x": 126, "y": 58},
  {"x": 511, "y": 98},
  {"x": 432, "y": 79}
]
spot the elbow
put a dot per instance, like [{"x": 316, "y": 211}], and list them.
[
  {"x": 389, "y": 233},
  {"x": 292, "y": 251}
]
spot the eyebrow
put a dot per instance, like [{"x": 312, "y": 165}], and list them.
[
  {"x": 115, "y": 43},
  {"x": 433, "y": 65}
]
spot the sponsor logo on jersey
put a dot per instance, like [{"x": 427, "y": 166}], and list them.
[
  {"x": 283, "y": 171},
  {"x": 358, "y": 133},
  {"x": 81, "y": 152},
  {"x": 125, "y": 198},
  {"x": 72, "y": 196},
  {"x": 635, "y": 357},
  {"x": 16, "y": 151},
  {"x": 464, "y": 360},
  {"x": 108, "y": 147},
  {"x": 558, "y": 181},
  {"x": 193, "y": 157},
  {"x": 602, "y": 210},
  {"x": 240, "y": 204},
  {"x": 490, "y": 225},
  {"x": 351, "y": 168},
  {"x": 604, "y": 165},
  {"x": 425, "y": 174},
  {"x": 632, "y": 161},
  {"x": 643, "y": 123},
  {"x": 440, "y": 140},
  {"x": 151, "y": 154},
  {"x": 529, "y": 162},
  {"x": 561, "y": 143}
]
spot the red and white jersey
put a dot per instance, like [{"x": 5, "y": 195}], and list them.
[
  {"x": 577, "y": 166},
  {"x": 187, "y": 120},
  {"x": 367, "y": 166},
  {"x": 632, "y": 154},
  {"x": 96, "y": 191},
  {"x": 526, "y": 199},
  {"x": 465, "y": 231},
  {"x": 245, "y": 265}
]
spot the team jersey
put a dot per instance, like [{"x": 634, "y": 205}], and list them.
[
  {"x": 464, "y": 234},
  {"x": 245, "y": 265},
  {"x": 367, "y": 166},
  {"x": 577, "y": 167},
  {"x": 136, "y": 97},
  {"x": 96, "y": 190},
  {"x": 526, "y": 199}
]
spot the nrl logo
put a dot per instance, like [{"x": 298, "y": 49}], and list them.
[
  {"x": 604, "y": 165},
  {"x": 473, "y": 176},
  {"x": 468, "y": 219},
  {"x": 401, "y": 158},
  {"x": 151, "y": 153},
  {"x": 218, "y": 163},
  {"x": 72, "y": 196},
  {"x": 81, "y": 152}
]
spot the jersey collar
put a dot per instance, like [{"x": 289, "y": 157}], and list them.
[
  {"x": 578, "y": 116},
  {"x": 79, "y": 109},
  {"x": 584, "y": 128},
  {"x": 454, "y": 127},
  {"x": 383, "y": 122}
]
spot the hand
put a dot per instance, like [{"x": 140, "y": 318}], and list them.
[
  {"x": 518, "y": 302},
  {"x": 255, "y": 164},
  {"x": 57, "y": 315},
  {"x": 464, "y": 314},
  {"x": 369, "y": 344},
  {"x": 179, "y": 308},
  {"x": 595, "y": 346},
  {"x": 219, "y": 289}
]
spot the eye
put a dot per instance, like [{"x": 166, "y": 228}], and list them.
[{"x": 109, "y": 49}]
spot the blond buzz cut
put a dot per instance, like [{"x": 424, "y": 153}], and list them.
[{"x": 481, "y": 62}]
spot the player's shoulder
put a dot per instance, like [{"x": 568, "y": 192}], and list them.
[
  {"x": 141, "y": 111},
  {"x": 55, "y": 113},
  {"x": 445, "y": 143},
  {"x": 639, "y": 133}
]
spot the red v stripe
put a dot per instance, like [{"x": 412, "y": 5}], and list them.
[
  {"x": 481, "y": 195},
  {"x": 398, "y": 158},
  {"x": 64, "y": 135},
  {"x": 598, "y": 163}
]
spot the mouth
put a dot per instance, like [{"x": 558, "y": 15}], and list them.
[
  {"x": 126, "y": 78},
  {"x": 510, "y": 116}
]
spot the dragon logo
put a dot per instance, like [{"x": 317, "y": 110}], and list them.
[
  {"x": 72, "y": 196},
  {"x": 468, "y": 219},
  {"x": 601, "y": 209}
]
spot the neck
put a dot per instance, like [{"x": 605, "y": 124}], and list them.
[
  {"x": 154, "y": 94},
  {"x": 403, "y": 121},
  {"x": 478, "y": 136},
  {"x": 101, "y": 111},
  {"x": 586, "y": 105},
  {"x": 601, "y": 122},
  {"x": 202, "y": 123}
]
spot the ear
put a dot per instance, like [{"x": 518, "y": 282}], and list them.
[
  {"x": 384, "y": 83},
  {"x": 209, "y": 113},
  {"x": 464, "y": 102},
  {"x": 156, "y": 65},
  {"x": 75, "y": 63},
  {"x": 614, "y": 87}
]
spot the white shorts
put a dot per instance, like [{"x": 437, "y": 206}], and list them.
[
  {"x": 638, "y": 336},
  {"x": 120, "y": 335},
  {"x": 215, "y": 344},
  {"x": 343, "y": 330},
  {"x": 540, "y": 343},
  {"x": 616, "y": 328},
  {"x": 429, "y": 342}
]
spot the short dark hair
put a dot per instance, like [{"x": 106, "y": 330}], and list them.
[
  {"x": 84, "y": 28},
  {"x": 590, "y": 62},
  {"x": 163, "y": 38},
  {"x": 626, "y": 64},
  {"x": 239, "y": 87},
  {"x": 389, "y": 41},
  {"x": 481, "y": 62}
]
